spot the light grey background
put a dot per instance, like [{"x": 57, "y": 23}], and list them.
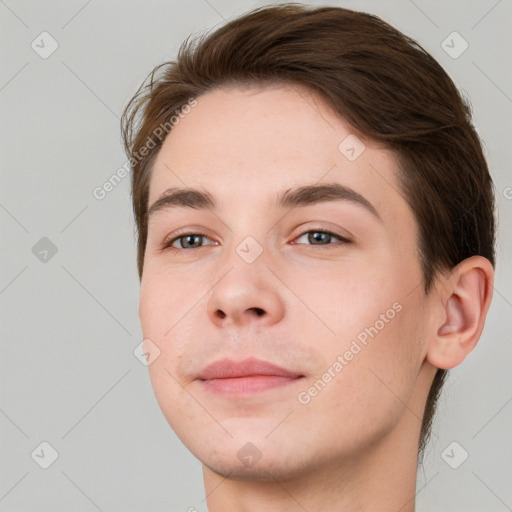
[{"x": 70, "y": 325}]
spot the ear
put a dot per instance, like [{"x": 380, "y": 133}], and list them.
[{"x": 461, "y": 308}]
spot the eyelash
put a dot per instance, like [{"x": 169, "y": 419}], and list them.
[{"x": 167, "y": 245}]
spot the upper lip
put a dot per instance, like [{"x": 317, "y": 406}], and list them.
[{"x": 227, "y": 368}]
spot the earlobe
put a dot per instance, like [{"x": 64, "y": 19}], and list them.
[{"x": 464, "y": 303}]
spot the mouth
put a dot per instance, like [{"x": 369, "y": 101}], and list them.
[{"x": 245, "y": 377}]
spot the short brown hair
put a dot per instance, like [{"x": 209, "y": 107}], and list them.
[{"x": 382, "y": 82}]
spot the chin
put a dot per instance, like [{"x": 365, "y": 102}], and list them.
[
  {"x": 260, "y": 463},
  {"x": 262, "y": 471},
  {"x": 240, "y": 473}
]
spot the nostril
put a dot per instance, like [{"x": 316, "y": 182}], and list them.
[{"x": 259, "y": 311}]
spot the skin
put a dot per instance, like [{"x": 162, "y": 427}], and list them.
[{"x": 354, "y": 445}]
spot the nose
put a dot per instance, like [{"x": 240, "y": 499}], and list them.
[{"x": 247, "y": 295}]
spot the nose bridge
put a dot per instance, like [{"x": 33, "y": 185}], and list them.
[
  {"x": 249, "y": 239},
  {"x": 250, "y": 250}
]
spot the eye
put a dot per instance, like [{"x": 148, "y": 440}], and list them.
[
  {"x": 322, "y": 237},
  {"x": 190, "y": 240},
  {"x": 185, "y": 241}
]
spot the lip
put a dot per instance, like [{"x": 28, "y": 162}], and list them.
[
  {"x": 229, "y": 369},
  {"x": 242, "y": 377}
]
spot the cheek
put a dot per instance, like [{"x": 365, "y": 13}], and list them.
[
  {"x": 371, "y": 362},
  {"x": 372, "y": 383},
  {"x": 165, "y": 300},
  {"x": 346, "y": 296},
  {"x": 382, "y": 343},
  {"x": 172, "y": 313}
]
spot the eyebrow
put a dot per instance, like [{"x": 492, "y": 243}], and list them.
[{"x": 292, "y": 198}]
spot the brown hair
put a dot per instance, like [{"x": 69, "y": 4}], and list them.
[{"x": 381, "y": 81}]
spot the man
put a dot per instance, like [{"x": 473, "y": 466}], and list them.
[{"x": 316, "y": 249}]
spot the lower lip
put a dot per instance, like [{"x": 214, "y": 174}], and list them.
[{"x": 246, "y": 385}]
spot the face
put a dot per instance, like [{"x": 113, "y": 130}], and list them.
[{"x": 324, "y": 284}]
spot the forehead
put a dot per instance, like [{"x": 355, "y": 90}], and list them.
[{"x": 243, "y": 143}]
